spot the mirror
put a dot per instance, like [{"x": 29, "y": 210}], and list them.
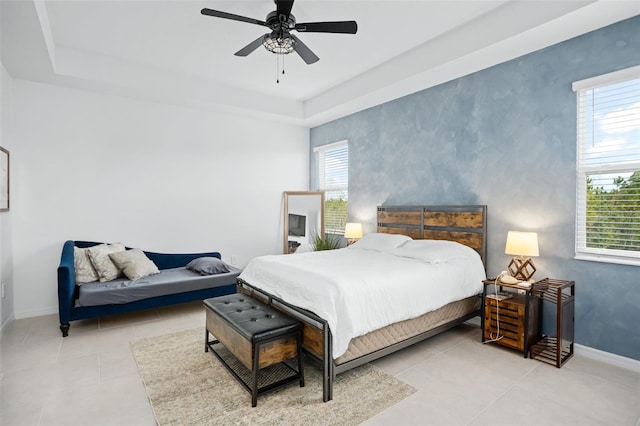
[{"x": 303, "y": 218}]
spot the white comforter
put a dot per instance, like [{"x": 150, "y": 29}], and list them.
[{"x": 357, "y": 291}]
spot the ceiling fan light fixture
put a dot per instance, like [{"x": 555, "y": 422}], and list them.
[
  {"x": 280, "y": 44},
  {"x": 281, "y": 22}
]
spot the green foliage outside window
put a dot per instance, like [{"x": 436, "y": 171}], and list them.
[
  {"x": 613, "y": 216},
  {"x": 335, "y": 215}
]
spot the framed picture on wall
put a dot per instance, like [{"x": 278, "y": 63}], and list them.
[{"x": 4, "y": 180}]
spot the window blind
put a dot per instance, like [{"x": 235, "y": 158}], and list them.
[
  {"x": 333, "y": 176},
  {"x": 608, "y": 168}
]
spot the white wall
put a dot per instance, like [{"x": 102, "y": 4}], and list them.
[
  {"x": 6, "y": 252},
  {"x": 156, "y": 176}
]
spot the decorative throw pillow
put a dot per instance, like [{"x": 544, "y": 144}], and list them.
[
  {"x": 85, "y": 272},
  {"x": 134, "y": 263},
  {"x": 99, "y": 255},
  {"x": 208, "y": 266}
]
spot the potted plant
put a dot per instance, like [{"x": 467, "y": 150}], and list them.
[{"x": 329, "y": 242}]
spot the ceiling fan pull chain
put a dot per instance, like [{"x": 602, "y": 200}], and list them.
[{"x": 278, "y": 56}]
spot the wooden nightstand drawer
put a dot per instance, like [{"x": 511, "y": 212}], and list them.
[{"x": 506, "y": 318}]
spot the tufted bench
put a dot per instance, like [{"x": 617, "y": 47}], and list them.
[{"x": 258, "y": 336}]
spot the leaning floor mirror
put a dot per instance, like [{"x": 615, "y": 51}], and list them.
[{"x": 303, "y": 219}]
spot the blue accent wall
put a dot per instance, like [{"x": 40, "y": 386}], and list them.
[{"x": 506, "y": 137}]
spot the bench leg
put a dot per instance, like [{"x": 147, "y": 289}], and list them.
[
  {"x": 256, "y": 366},
  {"x": 206, "y": 340}
]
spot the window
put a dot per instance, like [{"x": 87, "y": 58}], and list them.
[
  {"x": 608, "y": 168},
  {"x": 333, "y": 178}
]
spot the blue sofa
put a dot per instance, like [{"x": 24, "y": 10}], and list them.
[{"x": 68, "y": 290}]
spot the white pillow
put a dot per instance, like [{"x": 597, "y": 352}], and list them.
[
  {"x": 134, "y": 263},
  {"x": 434, "y": 251},
  {"x": 99, "y": 255},
  {"x": 84, "y": 270},
  {"x": 380, "y": 242}
]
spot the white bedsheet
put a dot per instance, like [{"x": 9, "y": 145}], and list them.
[{"x": 358, "y": 291}]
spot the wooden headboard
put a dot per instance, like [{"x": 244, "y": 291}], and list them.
[{"x": 464, "y": 224}]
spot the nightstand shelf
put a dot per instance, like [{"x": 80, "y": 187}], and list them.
[
  {"x": 556, "y": 349},
  {"x": 547, "y": 350}
]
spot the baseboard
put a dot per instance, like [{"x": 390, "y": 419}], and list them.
[
  {"x": 40, "y": 313},
  {"x": 608, "y": 357}
]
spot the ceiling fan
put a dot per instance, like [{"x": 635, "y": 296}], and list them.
[{"x": 281, "y": 22}]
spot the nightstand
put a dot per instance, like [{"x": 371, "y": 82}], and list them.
[
  {"x": 556, "y": 349},
  {"x": 513, "y": 322}
]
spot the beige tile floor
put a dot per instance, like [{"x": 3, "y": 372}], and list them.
[{"x": 90, "y": 378}]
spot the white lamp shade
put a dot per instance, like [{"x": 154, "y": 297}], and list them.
[
  {"x": 353, "y": 230},
  {"x": 522, "y": 243}
]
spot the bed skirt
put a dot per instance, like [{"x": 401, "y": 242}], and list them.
[{"x": 397, "y": 332}]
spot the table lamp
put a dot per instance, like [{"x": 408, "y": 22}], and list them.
[
  {"x": 352, "y": 232},
  {"x": 522, "y": 245}
]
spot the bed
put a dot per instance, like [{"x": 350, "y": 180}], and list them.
[{"x": 343, "y": 334}]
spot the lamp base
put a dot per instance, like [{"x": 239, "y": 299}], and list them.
[{"x": 522, "y": 268}]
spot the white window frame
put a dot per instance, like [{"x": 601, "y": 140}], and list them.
[
  {"x": 582, "y": 252},
  {"x": 320, "y": 152}
]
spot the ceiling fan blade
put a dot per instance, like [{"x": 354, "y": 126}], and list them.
[
  {"x": 283, "y": 7},
  {"x": 225, "y": 15},
  {"x": 250, "y": 47},
  {"x": 305, "y": 53},
  {"x": 340, "y": 27}
]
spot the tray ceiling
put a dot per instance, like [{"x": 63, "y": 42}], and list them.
[{"x": 167, "y": 51}]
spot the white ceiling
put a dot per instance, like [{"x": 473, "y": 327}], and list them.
[{"x": 168, "y": 51}]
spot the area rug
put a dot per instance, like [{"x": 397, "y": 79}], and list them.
[{"x": 187, "y": 386}]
